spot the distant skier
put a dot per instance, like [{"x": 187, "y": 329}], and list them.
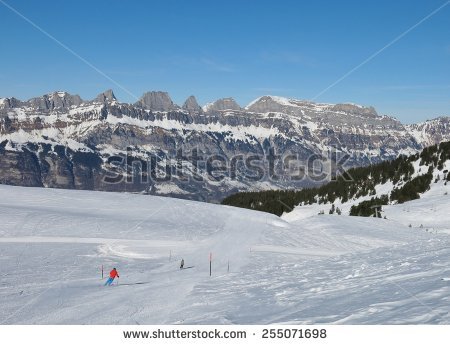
[
  {"x": 113, "y": 274},
  {"x": 182, "y": 264}
]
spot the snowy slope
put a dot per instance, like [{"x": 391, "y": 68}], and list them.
[
  {"x": 320, "y": 269},
  {"x": 430, "y": 212}
]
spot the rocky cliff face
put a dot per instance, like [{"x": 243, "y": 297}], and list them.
[
  {"x": 157, "y": 101},
  {"x": 54, "y": 101},
  {"x": 155, "y": 146},
  {"x": 191, "y": 105},
  {"x": 431, "y": 132},
  {"x": 222, "y": 104},
  {"x": 105, "y": 97}
]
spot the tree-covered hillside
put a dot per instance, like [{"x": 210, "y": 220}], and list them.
[{"x": 356, "y": 183}]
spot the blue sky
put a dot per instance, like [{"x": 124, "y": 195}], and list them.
[{"x": 240, "y": 49}]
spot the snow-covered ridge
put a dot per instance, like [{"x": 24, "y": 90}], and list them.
[
  {"x": 275, "y": 103},
  {"x": 238, "y": 133},
  {"x": 287, "y": 102},
  {"x": 60, "y": 94},
  {"x": 310, "y": 117},
  {"x": 93, "y": 110},
  {"x": 278, "y": 99}
]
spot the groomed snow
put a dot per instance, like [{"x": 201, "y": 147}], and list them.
[
  {"x": 320, "y": 269},
  {"x": 167, "y": 188}
]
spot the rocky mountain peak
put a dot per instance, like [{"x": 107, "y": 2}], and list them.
[
  {"x": 282, "y": 104},
  {"x": 191, "y": 104},
  {"x": 7, "y": 103},
  {"x": 107, "y": 96},
  {"x": 431, "y": 131},
  {"x": 267, "y": 103},
  {"x": 157, "y": 101},
  {"x": 222, "y": 104},
  {"x": 55, "y": 100},
  {"x": 355, "y": 109}
]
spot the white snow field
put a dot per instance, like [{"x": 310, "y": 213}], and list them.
[{"x": 313, "y": 269}]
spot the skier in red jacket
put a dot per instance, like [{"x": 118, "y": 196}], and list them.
[{"x": 113, "y": 274}]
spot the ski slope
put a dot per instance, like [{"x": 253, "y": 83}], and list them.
[{"x": 265, "y": 269}]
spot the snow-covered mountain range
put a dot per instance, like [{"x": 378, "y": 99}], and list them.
[{"x": 59, "y": 140}]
